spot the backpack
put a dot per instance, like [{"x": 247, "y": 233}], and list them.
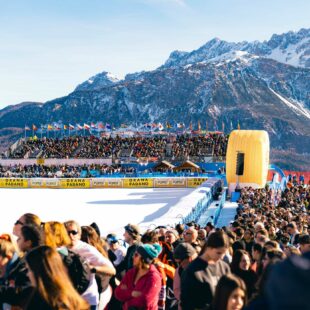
[{"x": 78, "y": 270}]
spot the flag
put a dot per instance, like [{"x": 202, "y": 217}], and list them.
[
  {"x": 154, "y": 125},
  {"x": 160, "y": 126},
  {"x": 34, "y": 127},
  {"x": 199, "y": 126},
  {"x": 238, "y": 125},
  {"x": 124, "y": 126},
  {"x": 108, "y": 126},
  {"x": 179, "y": 125},
  {"x": 27, "y": 128},
  {"x": 100, "y": 126},
  {"x": 223, "y": 126},
  {"x": 57, "y": 127},
  {"x": 65, "y": 127},
  {"x": 71, "y": 127},
  {"x": 86, "y": 126},
  {"x": 79, "y": 127},
  {"x": 49, "y": 127},
  {"x": 168, "y": 125},
  {"x": 93, "y": 125}
]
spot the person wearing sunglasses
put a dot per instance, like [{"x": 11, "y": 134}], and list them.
[
  {"x": 140, "y": 287},
  {"x": 26, "y": 219},
  {"x": 97, "y": 262}
]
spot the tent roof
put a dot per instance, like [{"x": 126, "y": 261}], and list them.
[
  {"x": 189, "y": 163},
  {"x": 166, "y": 163}
]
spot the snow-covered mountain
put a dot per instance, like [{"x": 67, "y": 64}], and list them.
[
  {"x": 97, "y": 82},
  {"x": 262, "y": 85},
  {"x": 292, "y": 48}
]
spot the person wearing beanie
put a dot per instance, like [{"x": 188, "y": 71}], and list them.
[
  {"x": 132, "y": 238},
  {"x": 166, "y": 271},
  {"x": 140, "y": 287}
]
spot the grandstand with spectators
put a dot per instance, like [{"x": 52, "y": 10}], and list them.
[{"x": 174, "y": 189}]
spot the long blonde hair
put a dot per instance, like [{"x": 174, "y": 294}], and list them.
[{"x": 52, "y": 281}]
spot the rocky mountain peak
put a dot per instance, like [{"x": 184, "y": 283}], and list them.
[{"x": 98, "y": 82}]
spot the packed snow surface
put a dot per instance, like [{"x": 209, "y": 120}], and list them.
[{"x": 111, "y": 209}]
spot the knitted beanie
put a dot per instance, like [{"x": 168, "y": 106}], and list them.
[{"x": 149, "y": 252}]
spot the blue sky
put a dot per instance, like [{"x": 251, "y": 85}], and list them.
[{"x": 48, "y": 47}]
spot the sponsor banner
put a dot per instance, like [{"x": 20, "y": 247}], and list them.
[
  {"x": 74, "y": 183},
  {"x": 53, "y": 183},
  {"x": 178, "y": 182},
  {"x": 107, "y": 183},
  {"x": 36, "y": 183},
  {"x": 13, "y": 183},
  {"x": 194, "y": 182},
  {"x": 138, "y": 183},
  {"x": 161, "y": 182},
  {"x": 169, "y": 182},
  {"x": 40, "y": 161}
]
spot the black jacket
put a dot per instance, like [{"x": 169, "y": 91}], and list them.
[
  {"x": 198, "y": 283},
  {"x": 12, "y": 291}
]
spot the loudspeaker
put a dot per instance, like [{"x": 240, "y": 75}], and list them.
[{"x": 240, "y": 164}]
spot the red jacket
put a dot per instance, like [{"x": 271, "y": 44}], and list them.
[{"x": 149, "y": 285}]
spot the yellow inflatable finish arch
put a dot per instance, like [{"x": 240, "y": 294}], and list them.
[{"x": 255, "y": 146}]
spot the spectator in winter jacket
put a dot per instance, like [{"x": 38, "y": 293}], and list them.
[
  {"x": 132, "y": 238},
  {"x": 183, "y": 254},
  {"x": 50, "y": 290},
  {"x": 240, "y": 266},
  {"x": 199, "y": 279},
  {"x": 140, "y": 287},
  {"x": 97, "y": 262},
  {"x": 15, "y": 280}
]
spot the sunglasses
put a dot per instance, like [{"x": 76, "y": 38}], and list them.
[
  {"x": 129, "y": 229},
  {"x": 72, "y": 232},
  {"x": 18, "y": 222}
]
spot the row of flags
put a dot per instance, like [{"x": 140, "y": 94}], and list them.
[
  {"x": 69, "y": 127},
  {"x": 100, "y": 126}
]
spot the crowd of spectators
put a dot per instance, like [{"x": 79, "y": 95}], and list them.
[
  {"x": 64, "y": 171},
  {"x": 105, "y": 147},
  {"x": 260, "y": 261}
]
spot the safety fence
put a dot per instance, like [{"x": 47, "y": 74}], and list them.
[
  {"x": 220, "y": 207},
  {"x": 201, "y": 207},
  {"x": 101, "y": 182}
]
